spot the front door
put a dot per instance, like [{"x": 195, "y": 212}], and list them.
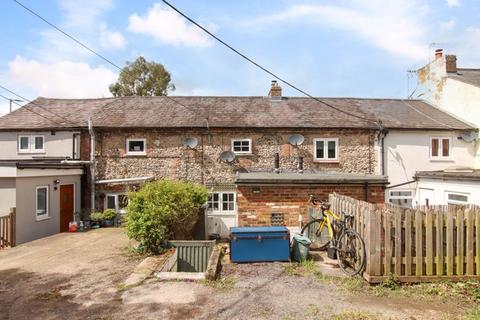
[{"x": 66, "y": 206}]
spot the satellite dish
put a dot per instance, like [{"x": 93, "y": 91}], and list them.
[
  {"x": 296, "y": 139},
  {"x": 227, "y": 156},
  {"x": 190, "y": 143},
  {"x": 469, "y": 136}
]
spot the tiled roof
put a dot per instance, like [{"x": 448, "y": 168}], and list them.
[
  {"x": 290, "y": 112},
  {"x": 470, "y": 76},
  {"x": 472, "y": 174}
]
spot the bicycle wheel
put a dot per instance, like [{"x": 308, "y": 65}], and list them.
[
  {"x": 351, "y": 252},
  {"x": 317, "y": 232}
]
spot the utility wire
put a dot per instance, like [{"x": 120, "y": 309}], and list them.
[
  {"x": 194, "y": 110},
  {"x": 37, "y": 105},
  {"x": 32, "y": 111},
  {"x": 264, "y": 68}
]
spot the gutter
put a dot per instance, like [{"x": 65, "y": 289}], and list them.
[{"x": 124, "y": 180}]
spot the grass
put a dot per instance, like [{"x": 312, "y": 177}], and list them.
[
  {"x": 224, "y": 284},
  {"x": 354, "y": 315},
  {"x": 472, "y": 314}
]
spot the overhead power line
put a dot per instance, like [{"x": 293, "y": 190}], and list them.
[
  {"x": 194, "y": 110},
  {"x": 264, "y": 68}
]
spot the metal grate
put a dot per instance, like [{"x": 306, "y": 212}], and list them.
[{"x": 277, "y": 219}]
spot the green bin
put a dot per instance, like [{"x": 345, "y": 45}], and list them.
[{"x": 301, "y": 246}]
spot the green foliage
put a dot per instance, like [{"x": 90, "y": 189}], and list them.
[
  {"x": 109, "y": 214},
  {"x": 390, "y": 283},
  {"x": 96, "y": 216},
  {"x": 162, "y": 211},
  {"x": 142, "y": 78}
]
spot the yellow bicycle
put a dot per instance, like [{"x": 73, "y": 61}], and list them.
[{"x": 332, "y": 232}]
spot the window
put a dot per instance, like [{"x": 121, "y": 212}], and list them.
[
  {"x": 440, "y": 148},
  {"x": 457, "y": 198},
  {"x": 42, "y": 203},
  {"x": 219, "y": 202},
  {"x": 136, "y": 146},
  {"x": 325, "y": 149},
  {"x": 31, "y": 144},
  {"x": 402, "y": 198},
  {"x": 242, "y": 146},
  {"x": 76, "y": 146},
  {"x": 117, "y": 202}
]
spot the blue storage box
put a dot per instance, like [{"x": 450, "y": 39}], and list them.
[{"x": 258, "y": 244}]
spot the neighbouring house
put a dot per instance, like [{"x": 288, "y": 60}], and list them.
[
  {"x": 260, "y": 157},
  {"x": 456, "y": 91}
]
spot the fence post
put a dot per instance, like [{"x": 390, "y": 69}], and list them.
[{"x": 13, "y": 227}]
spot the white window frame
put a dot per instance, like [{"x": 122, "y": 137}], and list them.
[
  {"x": 440, "y": 157},
  {"x": 31, "y": 143},
  {"x": 45, "y": 215},
  {"x": 325, "y": 150},
  {"x": 401, "y": 197},
  {"x": 242, "y": 140},
  {"x": 456, "y": 202},
  {"x": 117, "y": 208},
  {"x": 136, "y": 153},
  {"x": 220, "y": 210}
]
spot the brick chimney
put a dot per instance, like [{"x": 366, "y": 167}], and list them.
[
  {"x": 438, "y": 54},
  {"x": 275, "y": 92},
  {"x": 451, "y": 63}
]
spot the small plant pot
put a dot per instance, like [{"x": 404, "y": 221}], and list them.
[
  {"x": 107, "y": 223},
  {"x": 95, "y": 225}
]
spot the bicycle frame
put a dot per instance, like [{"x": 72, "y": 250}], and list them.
[{"x": 329, "y": 222}]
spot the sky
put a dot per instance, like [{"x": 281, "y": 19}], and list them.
[{"x": 341, "y": 48}]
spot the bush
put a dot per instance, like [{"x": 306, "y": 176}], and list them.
[
  {"x": 164, "y": 210},
  {"x": 109, "y": 214},
  {"x": 96, "y": 216}
]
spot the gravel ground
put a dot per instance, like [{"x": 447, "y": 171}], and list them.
[{"x": 80, "y": 276}]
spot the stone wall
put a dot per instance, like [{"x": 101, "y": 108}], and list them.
[
  {"x": 256, "y": 204},
  {"x": 167, "y": 158}
]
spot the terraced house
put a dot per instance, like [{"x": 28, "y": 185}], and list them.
[{"x": 260, "y": 157}]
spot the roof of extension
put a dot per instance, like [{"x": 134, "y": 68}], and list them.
[
  {"x": 464, "y": 175},
  {"x": 225, "y": 111},
  {"x": 470, "y": 76}
]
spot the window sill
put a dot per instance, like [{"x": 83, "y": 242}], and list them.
[
  {"x": 441, "y": 160},
  {"x": 136, "y": 154},
  {"x": 221, "y": 213},
  {"x": 244, "y": 154},
  {"x": 326, "y": 161},
  {"x": 41, "y": 218},
  {"x": 31, "y": 152}
]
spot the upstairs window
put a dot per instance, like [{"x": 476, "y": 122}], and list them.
[
  {"x": 136, "y": 146},
  {"x": 76, "y": 146},
  {"x": 440, "y": 148},
  {"x": 31, "y": 144},
  {"x": 325, "y": 149},
  {"x": 242, "y": 146}
]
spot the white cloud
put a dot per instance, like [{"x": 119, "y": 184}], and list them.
[
  {"x": 111, "y": 39},
  {"x": 395, "y": 26},
  {"x": 453, "y": 3},
  {"x": 448, "y": 25},
  {"x": 63, "y": 79},
  {"x": 167, "y": 26},
  {"x": 84, "y": 13}
]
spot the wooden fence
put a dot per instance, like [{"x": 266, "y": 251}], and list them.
[
  {"x": 416, "y": 245},
  {"x": 7, "y": 229}
]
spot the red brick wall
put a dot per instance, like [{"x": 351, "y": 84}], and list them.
[{"x": 255, "y": 209}]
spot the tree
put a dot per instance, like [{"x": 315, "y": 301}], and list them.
[
  {"x": 142, "y": 78},
  {"x": 164, "y": 210}
]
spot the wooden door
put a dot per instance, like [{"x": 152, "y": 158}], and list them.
[{"x": 66, "y": 206}]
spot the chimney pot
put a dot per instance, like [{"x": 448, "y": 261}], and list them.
[
  {"x": 438, "y": 54},
  {"x": 451, "y": 63},
  {"x": 275, "y": 92}
]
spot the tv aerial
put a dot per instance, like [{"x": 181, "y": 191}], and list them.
[
  {"x": 227, "y": 156},
  {"x": 190, "y": 143},
  {"x": 296, "y": 139}
]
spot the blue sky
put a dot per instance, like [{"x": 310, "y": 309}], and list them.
[{"x": 360, "y": 48}]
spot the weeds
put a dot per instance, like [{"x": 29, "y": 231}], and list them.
[
  {"x": 224, "y": 284},
  {"x": 304, "y": 268},
  {"x": 354, "y": 315}
]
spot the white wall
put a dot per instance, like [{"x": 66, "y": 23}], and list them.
[
  {"x": 58, "y": 145},
  {"x": 456, "y": 97},
  {"x": 440, "y": 188},
  {"x": 7, "y": 195},
  {"x": 407, "y": 152}
]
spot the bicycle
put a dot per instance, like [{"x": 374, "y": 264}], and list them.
[{"x": 341, "y": 238}]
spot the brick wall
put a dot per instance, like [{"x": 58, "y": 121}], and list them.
[{"x": 256, "y": 204}]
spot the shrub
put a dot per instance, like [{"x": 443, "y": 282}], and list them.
[
  {"x": 109, "y": 214},
  {"x": 96, "y": 216},
  {"x": 162, "y": 211}
]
